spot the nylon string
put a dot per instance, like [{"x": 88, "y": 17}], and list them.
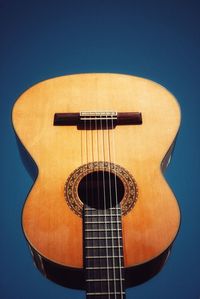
[
  {"x": 111, "y": 210},
  {"x": 118, "y": 214},
  {"x": 104, "y": 199}
]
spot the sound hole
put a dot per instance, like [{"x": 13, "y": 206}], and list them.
[{"x": 101, "y": 189}]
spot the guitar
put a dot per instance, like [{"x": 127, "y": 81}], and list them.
[{"x": 100, "y": 215}]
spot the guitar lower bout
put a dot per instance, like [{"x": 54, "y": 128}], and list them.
[{"x": 75, "y": 278}]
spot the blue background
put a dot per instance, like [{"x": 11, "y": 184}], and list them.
[{"x": 158, "y": 40}]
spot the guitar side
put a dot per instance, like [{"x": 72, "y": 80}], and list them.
[{"x": 49, "y": 224}]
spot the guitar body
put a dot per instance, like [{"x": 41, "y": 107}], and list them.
[{"x": 52, "y": 225}]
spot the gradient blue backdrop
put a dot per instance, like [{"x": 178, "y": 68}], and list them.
[{"x": 158, "y": 40}]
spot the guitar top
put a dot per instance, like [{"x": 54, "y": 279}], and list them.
[{"x": 100, "y": 215}]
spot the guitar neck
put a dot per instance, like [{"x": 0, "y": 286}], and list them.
[{"x": 103, "y": 256}]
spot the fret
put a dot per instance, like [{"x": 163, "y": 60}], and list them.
[
  {"x": 105, "y": 251},
  {"x": 106, "y": 227},
  {"x": 104, "y": 215},
  {"x": 108, "y": 250},
  {"x": 103, "y": 247},
  {"x": 105, "y": 273},
  {"x": 102, "y": 222},
  {"x": 109, "y": 212},
  {"x": 106, "y": 293},
  {"x": 103, "y": 242},
  {"x": 112, "y": 285},
  {"x": 111, "y": 234},
  {"x": 104, "y": 218},
  {"x": 101, "y": 238},
  {"x": 105, "y": 279},
  {"x": 110, "y": 296},
  {"x": 103, "y": 211},
  {"x": 102, "y": 230},
  {"x": 104, "y": 257},
  {"x": 103, "y": 268},
  {"x": 106, "y": 233},
  {"x": 105, "y": 262}
]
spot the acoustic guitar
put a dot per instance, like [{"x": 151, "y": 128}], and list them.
[{"x": 100, "y": 215}]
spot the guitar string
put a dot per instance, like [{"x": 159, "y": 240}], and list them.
[
  {"x": 98, "y": 198},
  {"x": 98, "y": 191},
  {"x": 92, "y": 133},
  {"x": 91, "y": 205},
  {"x": 111, "y": 205},
  {"x": 98, "y": 194},
  {"x": 112, "y": 160},
  {"x": 105, "y": 214},
  {"x": 88, "y": 184},
  {"x": 118, "y": 214},
  {"x": 87, "y": 159}
]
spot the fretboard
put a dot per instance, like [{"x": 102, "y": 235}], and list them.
[{"x": 103, "y": 255}]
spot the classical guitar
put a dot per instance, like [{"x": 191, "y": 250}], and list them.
[{"x": 100, "y": 215}]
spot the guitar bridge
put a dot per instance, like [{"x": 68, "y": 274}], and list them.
[{"x": 92, "y": 120}]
